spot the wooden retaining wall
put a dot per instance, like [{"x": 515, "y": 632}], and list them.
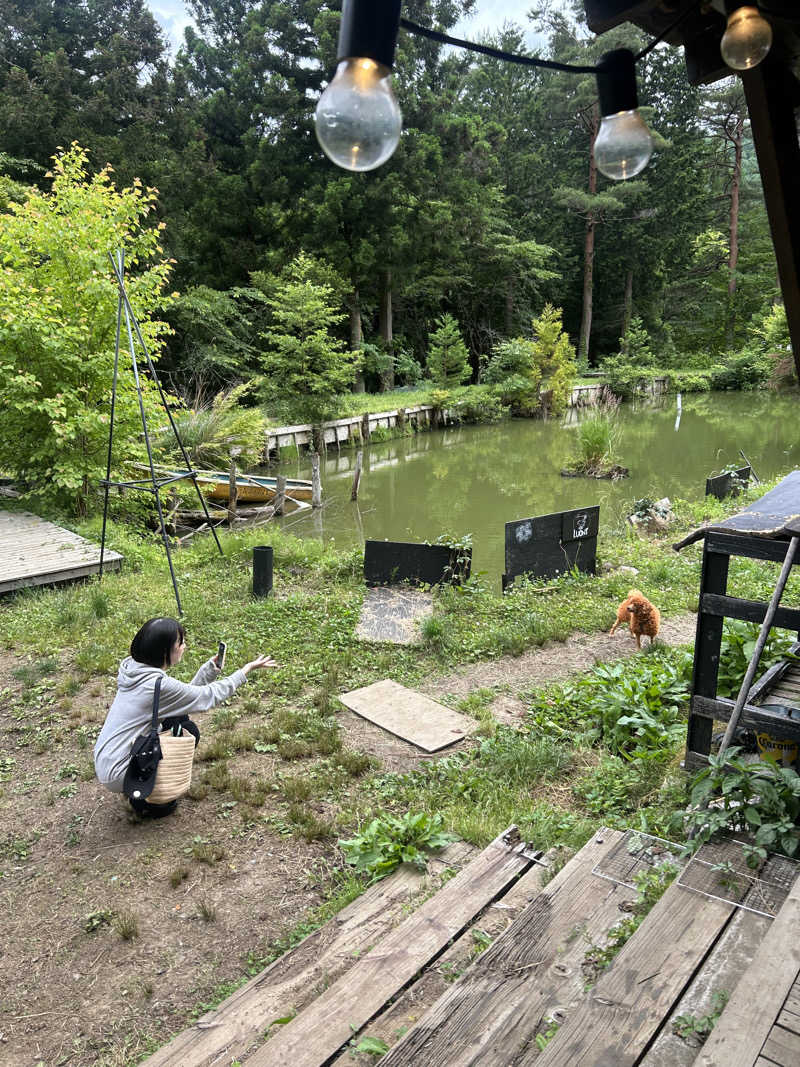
[{"x": 359, "y": 428}]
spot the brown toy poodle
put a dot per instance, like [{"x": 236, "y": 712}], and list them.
[{"x": 643, "y": 617}]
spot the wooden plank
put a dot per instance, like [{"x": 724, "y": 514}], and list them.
[
  {"x": 745, "y": 1023},
  {"x": 782, "y": 1046},
  {"x": 752, "y": 547},
  {"x": 729, "y": 959},
  {"x": 792, "y": 1003},
  {"x": 492, "y": 1014},
  {"x": 708, "y": 642},
  {"x": 618, "y": 1019},
  {"x": 789, "y": 1020},
  {"x": 436, "y": 980},
  {"x": 408, "y": 714},
  {"x": 36, "y": 552},
  {"x": 733, "y": 607},
  {"x": 290, "y": 982},
  {"x": 328, "y": 1024},
  {"x": 721, "y": 708},
  {"x": 777, "y": 672}
]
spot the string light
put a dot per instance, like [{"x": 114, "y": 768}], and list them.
[{"x": 747, "y": 38}]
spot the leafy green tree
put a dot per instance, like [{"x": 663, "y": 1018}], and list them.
[
  {"x": 554, "y": 354},
  {"x": 306, "y": 367},
  {"x": 448, "y": 358},
  {"x": 514, "y": 370},
  {"x": 58, "y": 302},
  {"x": 635, "y": 344}
]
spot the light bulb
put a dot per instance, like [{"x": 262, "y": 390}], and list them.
[
  {"x": 747, "y": 39},
  {"x": 358, "y": 120},
  {"x": 623, "y": 146}
]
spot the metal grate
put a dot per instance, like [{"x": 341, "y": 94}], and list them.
[
  {"x": 720, "y": 872},
  {"x": 636, "y": 852}
]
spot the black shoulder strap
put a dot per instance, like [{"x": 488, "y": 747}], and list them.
[{"x": 156, "y": 695}]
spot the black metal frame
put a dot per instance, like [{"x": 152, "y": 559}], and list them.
[
  {"x": 715, "y": 606},
  {"x": 153, "y": 484}
]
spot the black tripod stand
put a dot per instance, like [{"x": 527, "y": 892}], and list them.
[{"x": 154, "y": 483}]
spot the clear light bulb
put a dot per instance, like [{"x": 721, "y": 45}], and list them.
[
  {"x": 623, "y": 145},
  {"x": 358, "y": 120},
  {"x": 747, "y": 39}
]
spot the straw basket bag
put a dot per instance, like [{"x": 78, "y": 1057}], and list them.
[{"x": 174, "y": 775}]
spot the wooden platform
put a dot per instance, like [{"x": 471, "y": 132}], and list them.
[
  {"x": 492, "y": 970},
  {"x": 36, "y": 552}
]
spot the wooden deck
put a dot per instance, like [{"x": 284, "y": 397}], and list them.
[
  {"x": 36, "y": 552},
  {"x": 492, "y": 970}
]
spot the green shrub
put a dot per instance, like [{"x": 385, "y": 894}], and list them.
[
  {"x": 209, "y": 431},
  {"x": 742, "y": 370},
  {"x": 388, "y": 841},
  {"x": 738, "y": 644},
  {"x": 597, "y": 441},
  {"x": 481, "y": 405}
]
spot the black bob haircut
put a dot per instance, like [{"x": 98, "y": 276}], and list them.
[{"x": 154, "y": 642}]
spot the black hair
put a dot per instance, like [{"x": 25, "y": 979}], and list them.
[{"x": 154, "y": 642}]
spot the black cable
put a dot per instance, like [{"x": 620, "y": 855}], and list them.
[
  {"x": 496, "y": 53},
  {"x": 534, "y": 61}
]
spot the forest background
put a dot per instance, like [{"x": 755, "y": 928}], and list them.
[{"x": 490, "y": 211}]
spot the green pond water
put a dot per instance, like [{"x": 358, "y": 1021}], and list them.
[{"x": 474, "y": 479}]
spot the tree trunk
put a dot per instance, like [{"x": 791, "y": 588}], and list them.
[
  {"x": 733, "y": 254},
  {"x": 627, "y": 307},
  {"x": 385, "y": 327},
  {"x": 588, "y": 255},
  {"x": 356, "y": 335}
]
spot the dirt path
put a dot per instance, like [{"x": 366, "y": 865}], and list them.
[{"x": 554, "y": 661}]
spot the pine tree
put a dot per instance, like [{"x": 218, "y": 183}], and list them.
[{"x": 448, "y": 359}]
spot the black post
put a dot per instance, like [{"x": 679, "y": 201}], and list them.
[
  {"x": 262, "y": 570},
  {"x": 707, "y": 645}
]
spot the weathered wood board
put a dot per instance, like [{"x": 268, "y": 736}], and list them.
[
  {"x": 392, "y": 562},
  {"x": 532, "y": 971},
  {"x": 393, "y": 614},
  {"x": 238, "y": 1024},
  {"x": 410, "y": 715},
  {"x": 319, "y": 1032},
  {"x": 746, "y": 1022},
  {"x": 36, "y": 552},
  {"x": 622, "y": 1013}
]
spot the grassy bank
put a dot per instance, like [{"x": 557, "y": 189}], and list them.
[{"x": 279, "y": 780}]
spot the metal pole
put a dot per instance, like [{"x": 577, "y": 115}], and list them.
[
  {"x": 149, "y": 451},
  {"x": 151, "y": 368},
  {"x": 121, "y": 255}
]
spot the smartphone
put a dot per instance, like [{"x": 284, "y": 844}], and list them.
[{"x": 221, "y": 650}]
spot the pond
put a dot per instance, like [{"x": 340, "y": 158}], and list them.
[{"x": 474, "y": 479}]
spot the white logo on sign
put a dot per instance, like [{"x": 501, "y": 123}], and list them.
[
  {"x": 524, "y": 532},
  {"x": 581, "y": 526}
]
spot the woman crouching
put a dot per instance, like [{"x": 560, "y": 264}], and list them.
[{"x": 158, "y": 645}]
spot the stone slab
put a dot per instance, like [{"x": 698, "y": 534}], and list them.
[
  {"x": 408, "y": 714},
  {"x": 390, "y": 614}
]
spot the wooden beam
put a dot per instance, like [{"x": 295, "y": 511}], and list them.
[
  {"x": 778, "y": 726},
  {"x": 734, "y": 607},
  {"x": 771, "y": 93},
  {"x": 707, "y": 646},
  {"x": 237, "y": 1024},
  {"x": 318, "y": 1033},
  {"x": 745, "y": 1024},
  {"x": 617, "y": 1021},
  {"x": 752, "y": 547}
]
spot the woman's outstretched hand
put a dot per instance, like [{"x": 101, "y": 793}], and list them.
[{"x": 259, "y": 663}]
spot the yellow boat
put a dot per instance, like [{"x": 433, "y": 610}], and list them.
[{"x": 251, "y": 488}]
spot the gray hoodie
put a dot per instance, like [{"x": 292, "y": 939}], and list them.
[{"x": 132, "y": 710}]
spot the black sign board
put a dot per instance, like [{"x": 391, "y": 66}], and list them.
[
  {"x": 392, "y": 562},
  {"x": 725, "y": 484},
  {"x": 548, "y": 545}
]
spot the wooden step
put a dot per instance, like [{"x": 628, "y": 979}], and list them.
[
  {"x": 533, "y": 971},
  {"x": 761, "y": 1022},
  {"x": 318, "y": 1033},
  {"x": 238, "y": 1024}
]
